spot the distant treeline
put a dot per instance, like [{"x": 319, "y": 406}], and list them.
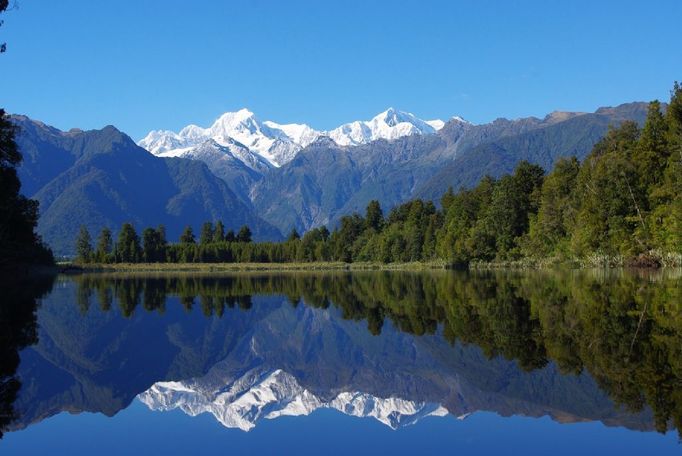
[{"x": 624, "y": 202}]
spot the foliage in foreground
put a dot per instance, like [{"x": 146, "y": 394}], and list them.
[{"x": 19, "y": 244}]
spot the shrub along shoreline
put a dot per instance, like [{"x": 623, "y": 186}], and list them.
[{"x": 237, "y": 267}]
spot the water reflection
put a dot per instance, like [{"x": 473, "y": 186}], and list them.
[
  {"x": 18, "y": 329},
  {"x": 395, "y": 346}
]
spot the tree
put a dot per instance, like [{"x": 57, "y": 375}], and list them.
[
  {"x": 219, "y": 232},
  {"x": 230, "y": 237},
  {"x": 293, "y": 235},
  {"x": 244, "y": 234},
  {"x": 665, "y": 197},
  {"x": 324, "y": 233},
  {"x": 104, "y": 245},
  {"x": 187, "y": 236},
  {"x": 19, "y": 244},
  {"x": 344, "y": 237},
  {"x": 128, "y": 245},
  {"x": 207, "y": 233},
  {"x": 151, "y": 246},
  {"x": 161, "y": 229},
  {"x": 84, "y": 245},
  {"x": 374, "y": 216},
  {"x": 549, "y": 230},
  {"x": 650, "y": 155},
  {"x": 611, "y": 202},
  {"x": 3, "y": 7}
]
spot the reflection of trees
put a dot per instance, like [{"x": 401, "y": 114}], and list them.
[
  {"x": 18, "y": 329},
  {"x": 625, "y": 330}
]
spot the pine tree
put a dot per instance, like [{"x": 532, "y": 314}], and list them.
[
  {"x": 187, "y": 236},
  {"x": 161, "y": 229},
  {"x": 151, "y": 245},
  {"x": 128, "y": 245},
  {"x": 293, "y": 235},
  {"x": 374, "y": 216},
  {"x": 104, "y": 245},
  {"x": 219, "y": 232},
  {"x": 207, "y": 233},
  {"x": 84, "y": 245},
  {"x": 244, "y": 234}
]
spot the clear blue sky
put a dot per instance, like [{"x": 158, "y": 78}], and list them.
[{"x": 146, "y": 64}]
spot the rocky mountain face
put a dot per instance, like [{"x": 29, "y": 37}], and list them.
[
  {"x": 325, "y": 181},
  {"x": 542, "y": 142},
  {"x": 101, "y": 178}
]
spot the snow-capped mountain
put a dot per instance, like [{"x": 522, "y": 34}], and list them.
[
  {"x": 390, "y": 124},
  {"x": 214, "y": 154},
  {"x": 279, "y": 143},
  {"x": 268, "y": 140},
  {"x": 256, "y": 395}
]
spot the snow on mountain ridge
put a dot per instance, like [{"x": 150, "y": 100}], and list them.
[
  {"x": 255, "y": 396},
  {"x": 279, "y": 143},
  {"x": 390, "y": 124}
]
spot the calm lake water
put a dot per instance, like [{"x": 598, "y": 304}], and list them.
[{"x": 540, "y": 363}]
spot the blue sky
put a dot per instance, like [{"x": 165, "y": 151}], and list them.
[{"x": 146, "y": 64}]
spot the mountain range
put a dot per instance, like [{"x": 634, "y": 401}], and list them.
[
  {"x": 101, "y": 178},
  {"x": 275, "y": 177},
  {"x": 326, "y": 181},
  {"x": 277, "y": 143}
]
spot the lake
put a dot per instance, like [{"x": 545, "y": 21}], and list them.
[{"x": 499, "y": 362}]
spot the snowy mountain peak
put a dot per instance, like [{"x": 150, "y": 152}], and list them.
[
  {"x": 244, "y": 401},
  {"x": 436, "y": 124},
  {"x": 279, "y": 143},
  {"x": 192, "y": 132},
  {"x": 390, "y": 124},
  {"x": 393, "y": 117}
]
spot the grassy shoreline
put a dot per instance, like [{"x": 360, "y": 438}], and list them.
[
  {"x": 669, "y": 262},
  {"x": 235, "y": 267}
]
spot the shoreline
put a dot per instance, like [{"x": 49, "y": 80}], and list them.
[
  {"x": 246, "y": 267},
  {"x": 73, "y": 268}
]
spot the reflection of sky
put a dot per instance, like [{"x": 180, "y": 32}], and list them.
[{"x": 137, "y": 430}]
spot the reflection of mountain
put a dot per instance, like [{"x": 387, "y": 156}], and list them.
[
  {"x": 195, "y": 332},
  {"x": 242, "y": 402}
]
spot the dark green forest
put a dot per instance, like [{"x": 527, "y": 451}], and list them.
[
  {"x": 624, "y": 329},
  {"x": 621, "y": 206},
  {"x": 20, "y": 246}
]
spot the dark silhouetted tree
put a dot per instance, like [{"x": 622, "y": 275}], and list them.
[
  {"x": 187, "y": 236},
  {"x": 207, "y": 233},
  {"x": 293, "y": 235},
  {"x": 219, "y": 232},
  {"x": 104, "y": 245},
  {"x": 244, "y": 234},
  {"x": 128, "y": 245},
  {"x": 84, "y": 245},
  {"x": 19, "y": 244},
  {"x": 374, "y": 217}
]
